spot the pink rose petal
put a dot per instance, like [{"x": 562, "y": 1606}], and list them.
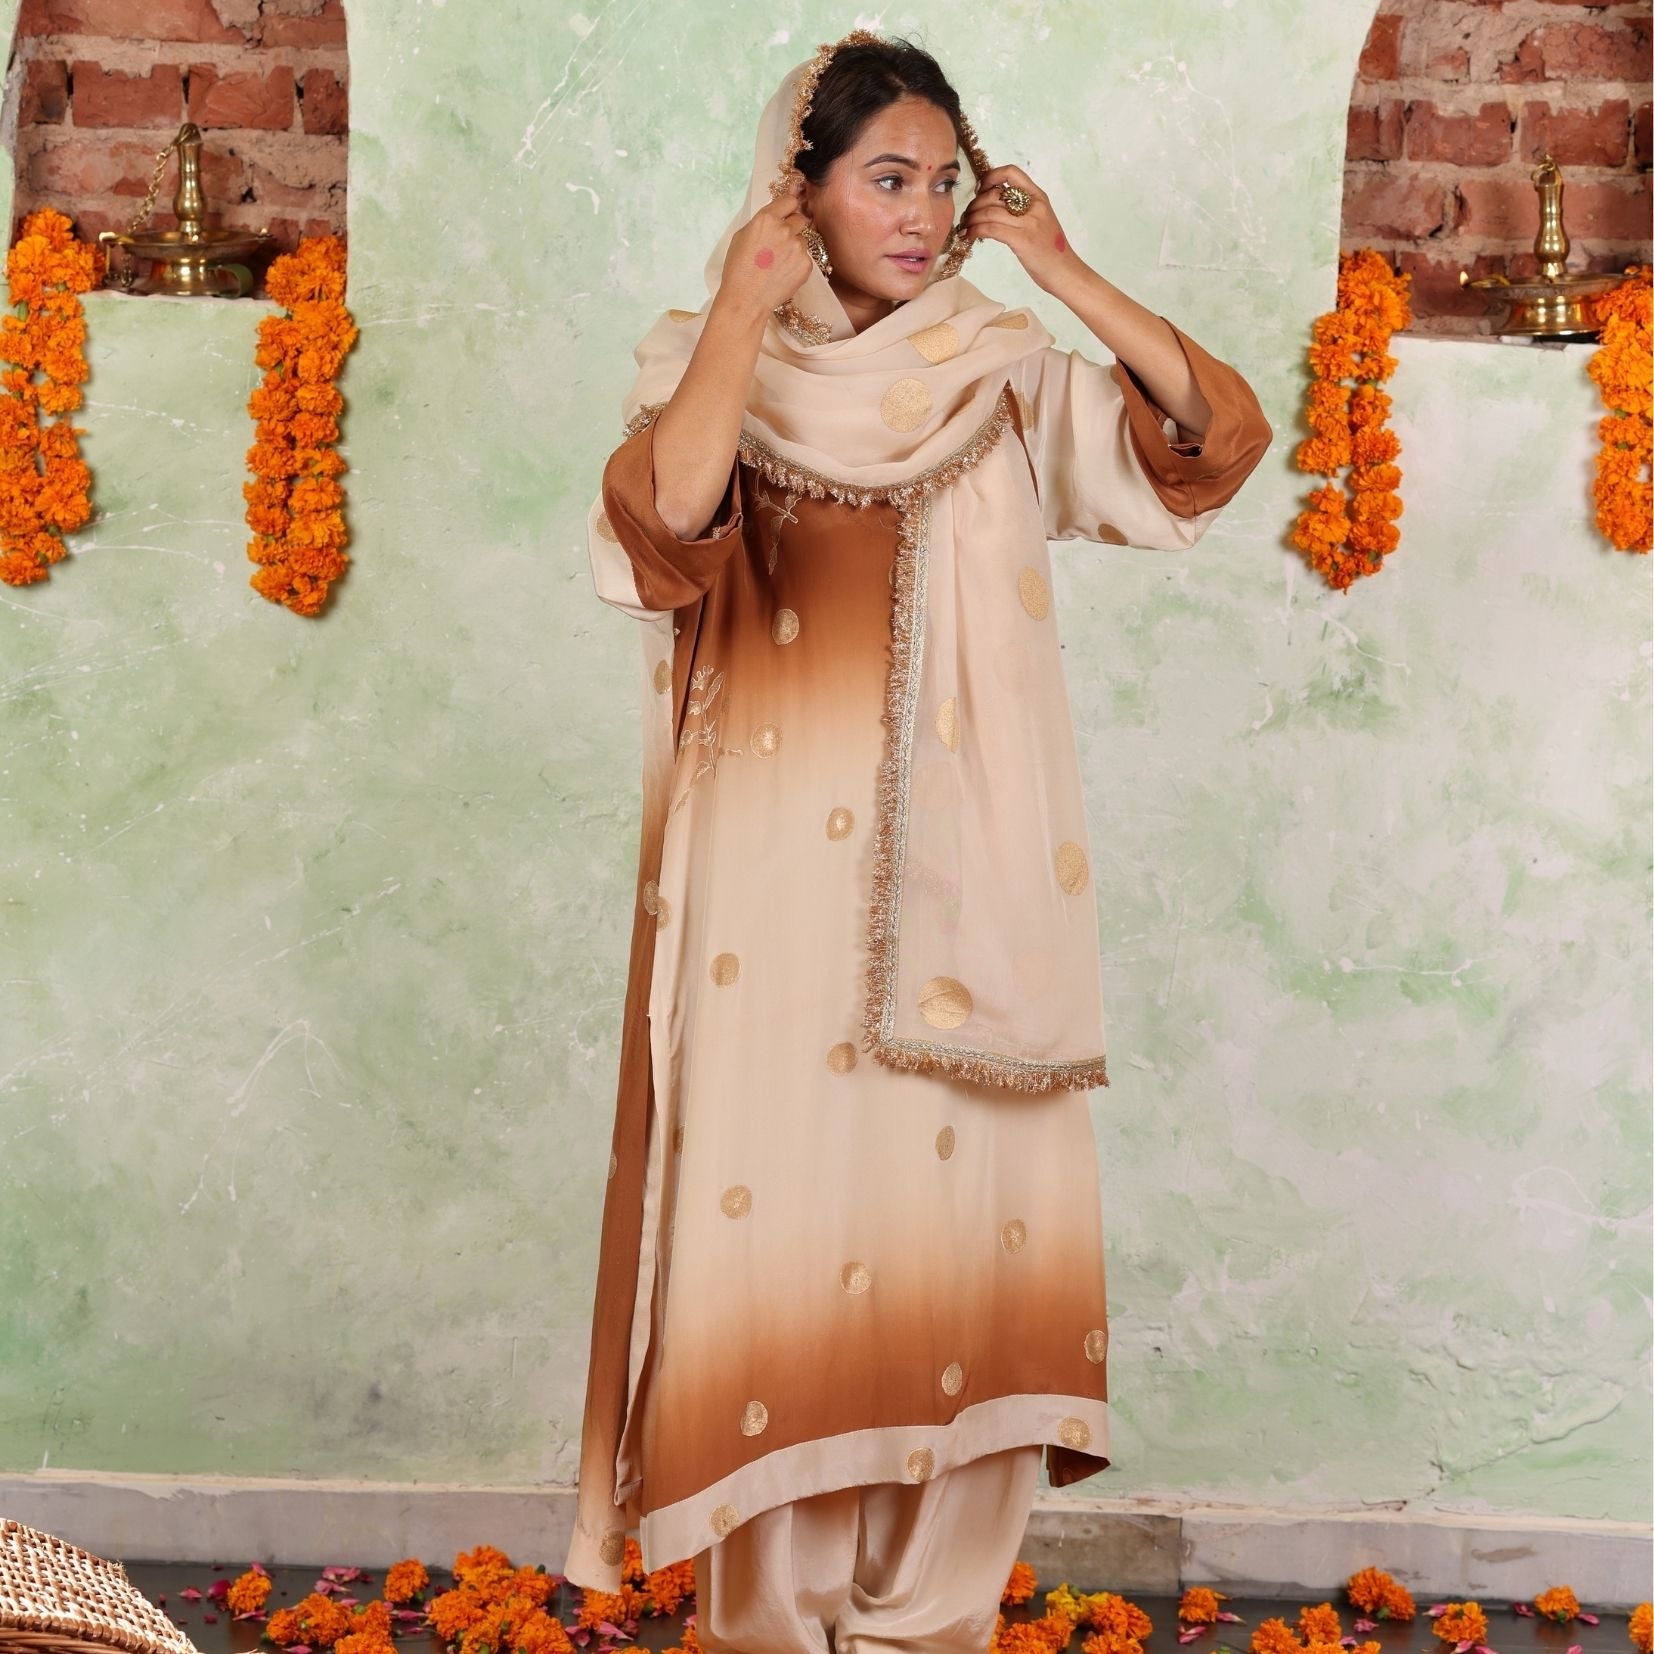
[{"x": 1590, "y": 1619}]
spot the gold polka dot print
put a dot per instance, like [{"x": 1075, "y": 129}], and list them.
[
  {"x": 683, "y": 315},
  {"x": 1072, "y": 871},
  {"x": 1026, "y": 409},
  {"x": 614, "y": 1163},
  {"x": 920, "y": 1463},
  {"x": 724, "y": 1520},
  {"x": 663, "y": 676},
  {"x": 855, "y": 1277},
  {"x": 953, "y": 1378},
  {"x": 936, "y": 344},
  {"x": 613, "y": 1548},
  {"x": 784, "y": 628},
  {"x": 842, "y": 1058},
  {"x": 839, "y": 822},
  {"x": 1013, "y": 1236},
  {"x": 725, "y": 967},
  {"x": 753, "y": 1420},
  {"x": 1074, "y": 1433},
  {"x": 906, "y": 405},
  {"x": 736, "y": 1201},
  {"x": 1031, "y": 588},
  {"x": 1096, "y": 1344},
  {"x": 1011, "y": 318},
  {"x": 606, "y": 529},
  {"x": 947, "y": 723},
  {"x": 766, "y": 740},
  {"x": 1110, "y": 535},
  {"x": 944, "y": 1143},
  {"x": 945, "y": 1002}
]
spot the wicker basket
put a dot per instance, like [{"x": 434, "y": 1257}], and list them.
[{"x": 56, "y": 1598}]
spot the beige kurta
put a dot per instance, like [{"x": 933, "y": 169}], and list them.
[{"x": 819, "y": 1271}]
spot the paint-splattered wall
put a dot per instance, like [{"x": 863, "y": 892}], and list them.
[{"x": 313, "y": 933}]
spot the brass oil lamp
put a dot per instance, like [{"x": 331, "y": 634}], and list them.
[
  {"x": 190, "y": 261},
  {"x": 1551, "y": 305}
]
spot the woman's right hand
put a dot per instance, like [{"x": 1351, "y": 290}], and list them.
[{"x": 767, "y": 261}]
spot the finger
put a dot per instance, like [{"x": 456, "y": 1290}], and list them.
[{"x": 1003, "y": 217}]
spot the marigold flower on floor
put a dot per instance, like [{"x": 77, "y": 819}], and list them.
[
  {"x": 247, "y": 1592},
  {"x": 1379, "y": 1596},
  {"x": 1640, "y": 1627},
  {"x": 1462, "y": 1623},
  {"x": 405, "y": 1580}
]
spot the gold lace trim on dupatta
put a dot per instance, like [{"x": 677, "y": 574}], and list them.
[{"x": 912, "y": 497}]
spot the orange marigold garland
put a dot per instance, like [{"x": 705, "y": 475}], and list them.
[
  {"x": 293, "y": 503},
  {"x": 1348, "y": 536},
  {"x": 44, "y": 482},
  {"x": 1621, "y": 366}
]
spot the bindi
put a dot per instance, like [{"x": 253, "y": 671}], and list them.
[{"x": 764, "y": 257}]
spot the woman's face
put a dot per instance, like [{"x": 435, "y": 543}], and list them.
[{"x": 885, "y": 208}]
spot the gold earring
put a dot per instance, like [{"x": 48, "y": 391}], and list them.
[{"x": 818, "y": 249}]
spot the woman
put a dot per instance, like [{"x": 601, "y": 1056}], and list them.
[{"x": 851, "y": 1276}]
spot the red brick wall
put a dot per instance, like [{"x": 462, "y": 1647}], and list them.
[
  {"x": 1454, "y": 103},
  {"x": 101, "y": 85}
]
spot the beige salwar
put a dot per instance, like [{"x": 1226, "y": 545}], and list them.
[
  {"x": 917, "y": 1568},
  {"x": 820, "y": 1272}
]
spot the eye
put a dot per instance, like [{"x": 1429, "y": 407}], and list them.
[{"x": 889, "y": 178}]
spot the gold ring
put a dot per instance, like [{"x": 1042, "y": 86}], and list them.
[{"x": 1016, "y": 199}]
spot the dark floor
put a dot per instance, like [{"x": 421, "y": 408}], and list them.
[{"x": 1508, "y": 1632}]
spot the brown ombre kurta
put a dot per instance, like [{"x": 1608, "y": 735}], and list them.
[{"x": 818, "y": 1270}]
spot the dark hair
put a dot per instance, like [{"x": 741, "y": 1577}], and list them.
[{"x": 857, "y": 83}]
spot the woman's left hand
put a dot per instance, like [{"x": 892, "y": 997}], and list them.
[{"x": 1034, "y": 236}]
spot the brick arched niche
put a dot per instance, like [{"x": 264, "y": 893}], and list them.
[
  {"x": 1453, "y": 103},
  {"x": 94, "y": 88}
]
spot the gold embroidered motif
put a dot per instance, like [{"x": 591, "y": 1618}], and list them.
[
  {"x": 663, "y": 676},
  {"x": 614, "y": 1163},
  {"x": 705, "y": 685},
  {"x": 736, "y": 1201},
  {"x": 606, "y": 529},
  {"x": 783, "y": 514},
  {"x": 855, "y": 1277},
  {"x": 944, "y": 1143},
  {"x": 677, "y": 1138},
  {"x": 839, "y": 822},
  {"x": 1014, "y": 1235},
  {"x": 842, "y": 1058},
  {"x": 725, "y": 968},
  {"x": 1017, "y": 319},
  {"x": 784, "y": 627},
  {"x": 906, "y": 405},
  {"x": 947, "y": 723},
  {"x": 1031, "y": 589},
  {"x": 724, "y": 1520},
  {"x": 1096, "y": 1344},
  {"x": 683, "y": 315},
  {"x": 766, "y": 740},
  {"x": 920, "y": 1463},
  {"x": 1072, "y": 871},
  {"x": 945, "y": 1002},
  {"x": 613, "y": 1548},
  {"x": 1074, "y": 1433},
  {"x": 936, "y": 343},
  {"x": 753, "y": 1420},
  {"x": 1110, "y": 535},
  {"x": 953, "y": 1378}
]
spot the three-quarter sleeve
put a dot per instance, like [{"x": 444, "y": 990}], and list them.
[
  {"x": 638, "y": 564},
  {"x": 1104, "y": 464}
]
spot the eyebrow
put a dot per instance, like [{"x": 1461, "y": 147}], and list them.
[{"x": 908, "y": 161}]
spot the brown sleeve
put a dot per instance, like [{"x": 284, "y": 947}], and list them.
[
  {"x": 1191, "y": 477},
  {"x": 669, "y": 572}
]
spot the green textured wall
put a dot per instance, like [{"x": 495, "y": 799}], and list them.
[{"x": 313, "y": 933}]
